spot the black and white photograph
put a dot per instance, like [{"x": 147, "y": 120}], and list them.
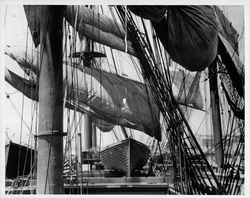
[{"x": 123, "y": 99}]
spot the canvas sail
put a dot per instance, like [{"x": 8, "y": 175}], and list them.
[
  {"x": 30, "y": 90},
  {"x": 111, "y": 98},
  {"x": 186, "y": 43},
  {"x": 88, "y": 23},
  {"x": 188, "y": 33}
]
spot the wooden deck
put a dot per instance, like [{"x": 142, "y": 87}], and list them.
[{"x": 112, "y": 185}]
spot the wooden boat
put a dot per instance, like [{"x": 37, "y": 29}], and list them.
[{"x": 125, "y": 156}]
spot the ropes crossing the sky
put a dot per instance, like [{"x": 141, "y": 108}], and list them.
[{"x": 180, "y": 130}]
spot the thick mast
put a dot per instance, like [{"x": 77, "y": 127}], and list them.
[
  {"x": 88, "y": 123},
  {"x": 50, "y": 135},
  {"x": 215, "y": 108}
]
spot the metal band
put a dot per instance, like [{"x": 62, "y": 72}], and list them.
[{"x": 50, "y": 133}]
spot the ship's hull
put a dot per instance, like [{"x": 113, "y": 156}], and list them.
[{"x": 125, "y": 156}]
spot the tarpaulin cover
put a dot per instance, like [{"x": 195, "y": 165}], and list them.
[{"x": 189, "y": 34}]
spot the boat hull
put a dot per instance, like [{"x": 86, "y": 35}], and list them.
[{"x": 125, "y": 156}]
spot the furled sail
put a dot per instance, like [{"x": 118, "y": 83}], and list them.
[
  {"x": 193, "y": 44},
  {"x": 98, "y": 27},
  {"x": 88, "y": 23},
  {"x": 188, "y": 33},
  {"x": 111, "y": 98}
]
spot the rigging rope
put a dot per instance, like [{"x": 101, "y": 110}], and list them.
[{"x": 159, "y": 85}]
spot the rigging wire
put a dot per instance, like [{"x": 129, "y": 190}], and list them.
[
  {"x": 163, "y": 88},
  {"x": 5, "y": 16},
  {"x": 6, "y": 133},
  {"x": 22, "y": 111}
]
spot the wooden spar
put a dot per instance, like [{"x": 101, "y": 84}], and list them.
[
  {"x": 215, "y": 108},
  {"x": 50, "y": 134},
  {"x": 87, "y": 133}
]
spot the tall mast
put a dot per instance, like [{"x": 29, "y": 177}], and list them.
[
  {"x": 88, "y": 123},
  {"x": 215, "y": 108},
  {"x": 50, "y": 134}
]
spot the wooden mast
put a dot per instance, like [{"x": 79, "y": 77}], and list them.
[
  {"x": 88, "y": 123},
  {"x": 215, "y": 108},
  {"x": 50, "y": 134}
]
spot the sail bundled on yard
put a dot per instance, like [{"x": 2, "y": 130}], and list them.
[
  {"x": 86, "y": 22},
  {"x": 187, "y": 33}
]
